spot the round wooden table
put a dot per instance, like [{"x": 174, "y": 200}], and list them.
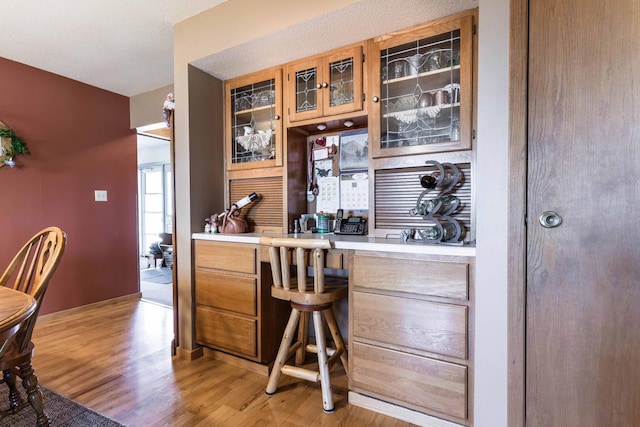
[{"x": 15, "y": 307}]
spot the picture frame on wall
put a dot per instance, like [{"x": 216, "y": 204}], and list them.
[{"x": 354, "y": 150}]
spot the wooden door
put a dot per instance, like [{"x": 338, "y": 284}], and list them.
[{"x": 583, "y": 277}]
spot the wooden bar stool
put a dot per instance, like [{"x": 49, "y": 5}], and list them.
[{"x": 307, "y": 295}]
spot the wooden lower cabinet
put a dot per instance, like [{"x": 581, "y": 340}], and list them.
[
  {"x": 235, "y": 312},
  {"x": 407, "y": 379},
  {"x": 226, "y": 331},
  {"x": 411, "y": 323},
  {"x": 410, "y": 329}
]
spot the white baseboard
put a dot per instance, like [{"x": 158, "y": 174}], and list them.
[{"x": 398, "y": 412}]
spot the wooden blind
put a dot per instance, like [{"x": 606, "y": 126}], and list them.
[
  {"x": 397, "y": 191},
  {"x": 267, "y": 210}
]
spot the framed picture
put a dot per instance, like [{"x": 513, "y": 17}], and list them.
[{"x": 354, "y": 150}]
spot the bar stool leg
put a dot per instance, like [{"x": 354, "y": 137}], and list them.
[
  {"x": 283, "y": 351},
  {"x": 323, "y": 363},
  {"x": 337, "y": 338},
  {"x": 303, "y": 337}
]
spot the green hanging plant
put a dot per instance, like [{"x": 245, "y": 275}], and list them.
[{"x": 15, "y": 147}]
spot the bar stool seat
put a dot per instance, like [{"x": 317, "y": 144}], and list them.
[{"x": 313, "y": 295}]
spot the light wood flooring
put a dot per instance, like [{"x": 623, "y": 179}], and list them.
[{"x": 115, "y": 358}]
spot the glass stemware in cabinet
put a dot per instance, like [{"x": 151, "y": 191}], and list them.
[
  {"x": 253, "y": 124},
  {"x": 425, "y": 91},
  {"x": 421, "y": 95}
]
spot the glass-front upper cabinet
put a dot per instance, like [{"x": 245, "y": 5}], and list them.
[
  {"x": 254, "y": 125},
  {"x": 325, "y": 85},
  {"x": 421, "y": 86}
]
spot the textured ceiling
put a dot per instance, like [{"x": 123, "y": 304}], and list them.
[
  {"x": 126, "y": 46},
  {"x": 123, "y": 46},
  {"x": 359, "y": 21}
]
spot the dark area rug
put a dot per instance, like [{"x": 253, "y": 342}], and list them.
[
  {"x": 62, "y": 412},
  {"x": 156, "y": 275}
]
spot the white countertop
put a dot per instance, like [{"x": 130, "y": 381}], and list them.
[{"x": 351, "y": 242}]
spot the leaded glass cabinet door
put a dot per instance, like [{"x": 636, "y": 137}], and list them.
[
  {"x": 422, "y": 90},
  {"x": 254, "y": 126},
  {"x": 325, "y": 85},
  {"x": 342, "y": 82}
]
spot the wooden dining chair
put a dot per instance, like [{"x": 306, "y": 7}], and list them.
[
  {"x": 15, "y": 308},
  {"x": 314, "y": 294},
  {"x": 29, "y": 272}
]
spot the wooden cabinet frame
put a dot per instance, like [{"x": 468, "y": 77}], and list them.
[
  {"x": 465, "y": 23},
  {"x": 321, "y": 63},
  {"x": 411, "y": 328},
  {"x": 270, "y": 74},
  {"x": 272, "y": 180},
  {"x": 234, "y": 310}
]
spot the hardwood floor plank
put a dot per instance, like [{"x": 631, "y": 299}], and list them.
[{"x": 115, "y": 359}]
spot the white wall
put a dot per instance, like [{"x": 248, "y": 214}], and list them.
[
  {"x": 491, "y": 210},
  {"x": 153, "y": 150}
]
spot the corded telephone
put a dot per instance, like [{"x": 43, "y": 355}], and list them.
[{"x": 351, "y": 225}]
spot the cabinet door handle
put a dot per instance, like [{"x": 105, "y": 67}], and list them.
[
  {"x": 375, "y": 99},
  {"x": 318, "y": 86},
  {"x": 276, "y": 117},
  {"x": 325, "y": 84},
  {"x": 550, "y": 219}
]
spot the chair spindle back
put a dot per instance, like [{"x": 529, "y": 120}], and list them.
[
  {"x": 31, "y": 269},
  {"x": 282, "y": 250}
]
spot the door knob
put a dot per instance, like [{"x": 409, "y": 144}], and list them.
[{"x": 550, "y": 219}]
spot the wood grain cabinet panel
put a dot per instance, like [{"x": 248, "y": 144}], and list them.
[
  {"x": 421, "y": 325},
  {"x": 414, "y": 380},
  {"x": 444, "y": 279},
  {"x": 411, "y": 333},
  {"x": 226, "y": 331},
  {"x": 226, "y": 256},
  {"x": 335, "y": 260},
  {"x": 226, "y": 292},
  {"x": 235, "y": 312}
]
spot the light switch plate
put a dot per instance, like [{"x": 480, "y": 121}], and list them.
[{"x": 101, "y": 195}]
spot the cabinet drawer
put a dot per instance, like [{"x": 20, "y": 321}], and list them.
[
  {"x": 226, "y": 256},
  {"x": 225, "y": 291},
  {"x": 226, "y": 331},
  {"x": 335, "y": 260},
  {"x": 421, "y": 325},
  {"x": 418, "y": 381},
  {"x": 416, "y": 276}
]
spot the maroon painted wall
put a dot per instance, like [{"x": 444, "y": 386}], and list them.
[{"x": 80, "y": 141}]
